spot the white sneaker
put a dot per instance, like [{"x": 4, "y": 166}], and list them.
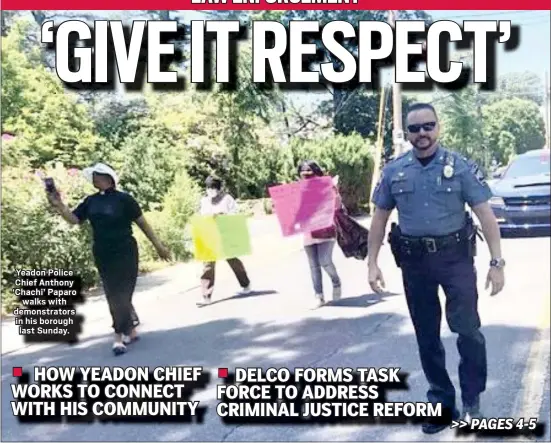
[
  {"x": 337, "y": 293},
  {"x": 319, "y": 302},
  {"x": 245, "y": 291},
  {"x": 126, "y": 339},
  {"x": 205, "y": 301}
]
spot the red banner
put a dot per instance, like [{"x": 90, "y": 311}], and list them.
[{"x": 456, "y": 5}]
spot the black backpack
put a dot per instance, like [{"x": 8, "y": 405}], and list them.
[{"x": 351, "y": 236}]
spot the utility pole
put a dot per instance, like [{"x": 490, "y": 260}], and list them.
[
  {"x": 486, "y": 154},
  {"x": 547, "y": 112},
  {"x": 379, "y": 148},
  {"x": 397, "y": 131}
]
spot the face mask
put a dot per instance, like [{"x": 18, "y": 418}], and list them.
[{"x": 212, "y": 193}]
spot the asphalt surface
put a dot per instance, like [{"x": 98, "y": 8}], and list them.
[{"x": 274, "y": 327}]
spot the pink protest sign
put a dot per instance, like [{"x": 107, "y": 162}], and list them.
[{"x": 304, "y": 206}]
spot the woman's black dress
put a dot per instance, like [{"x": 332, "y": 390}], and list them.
[{"x": 111, "y": 214}]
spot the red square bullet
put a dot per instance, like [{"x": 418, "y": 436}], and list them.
[
  {"x": 17, "y": 372},
  {"x": 222, "y": 372}
]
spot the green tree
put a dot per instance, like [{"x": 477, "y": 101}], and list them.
[
  {"x": 524, "y": 85},
  {"x": 361, "y": 112},
  {"x": 350, "y": 157},
  {"x": 36, "y": 237},
  {"x": 117, "y": 118},
  {"x": 348, "y": 109},
  {"x": 513, "y": 126},
  {"x": 224, "y": 133},
  {"x": 49, "y": 123},
  {"x": 148, "y": 161},
  {"x": 342, "y": 98},
  {"x": 179, "y": 204},
  {"x": 462, "y": 126}
]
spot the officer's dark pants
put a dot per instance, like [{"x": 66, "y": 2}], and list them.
[
  {"x": 455, "y": 272},
  {"x": 119, "y": 272}
]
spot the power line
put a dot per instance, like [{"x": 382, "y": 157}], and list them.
[
  {"x": 462, "y": 101},
  {"x": 515, "y": 22},
  {"x": 537, "y": 22}
]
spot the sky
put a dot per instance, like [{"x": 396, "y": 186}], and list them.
[{"x": 534, "y": 51}]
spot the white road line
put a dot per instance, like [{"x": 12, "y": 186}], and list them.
[{"x": 529, "y": 403}]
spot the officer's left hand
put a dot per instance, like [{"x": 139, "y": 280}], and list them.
[{"x": 496, "y": 277}]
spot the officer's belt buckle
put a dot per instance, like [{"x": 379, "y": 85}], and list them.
[{"x": 430, "y": 244}]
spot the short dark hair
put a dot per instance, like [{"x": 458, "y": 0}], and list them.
[
  {"x": 419, "y": 106},
  {"x": 316, "y": 169},
  {"x": 213, "y": 183}
]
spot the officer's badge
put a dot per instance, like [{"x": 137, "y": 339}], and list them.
[{"x": 448, "y": 170}]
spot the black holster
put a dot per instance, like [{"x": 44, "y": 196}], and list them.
[
  {"x": 472, "y": 232},
  {"x": 394, "y": 241}
]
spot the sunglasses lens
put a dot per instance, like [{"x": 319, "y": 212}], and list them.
[{"x": 427, "y": 127}]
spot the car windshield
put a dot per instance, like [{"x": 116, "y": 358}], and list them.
[{"x": 525, "y": 166}]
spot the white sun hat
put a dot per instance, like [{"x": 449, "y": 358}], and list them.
[{"x": 100, "y": 168}]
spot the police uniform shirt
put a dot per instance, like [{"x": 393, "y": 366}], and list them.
[
  {"x": 429, "y": 201},
  {"x": 111, "y": 214}
]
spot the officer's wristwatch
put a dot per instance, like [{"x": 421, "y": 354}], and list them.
[{"x": 497, "y": 263}]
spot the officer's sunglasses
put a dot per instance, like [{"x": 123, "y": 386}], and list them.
[{"x": 427, "y": 127}]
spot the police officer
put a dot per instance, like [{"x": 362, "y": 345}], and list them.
[{"x": 429, "y": 187}]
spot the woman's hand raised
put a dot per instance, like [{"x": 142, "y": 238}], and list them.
[{"x": 54, "y": 199}]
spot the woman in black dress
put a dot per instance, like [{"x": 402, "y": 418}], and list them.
[{"x": 111, "y": 214}]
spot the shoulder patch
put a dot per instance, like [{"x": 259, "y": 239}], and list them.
[
  {"x": 380, "y": 181},
  {"x": 477, "y": 171},
  {"x": 390, "y": 162}
]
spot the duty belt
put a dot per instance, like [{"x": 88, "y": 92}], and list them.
[{"x": 432, "y": 244}]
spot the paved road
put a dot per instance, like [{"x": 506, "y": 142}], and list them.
[{"x": 274, "y": 327}]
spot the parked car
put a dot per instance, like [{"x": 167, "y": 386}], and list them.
[
  {"x": 521, "y": 194},
  {"x": 496, "y": 175}
]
